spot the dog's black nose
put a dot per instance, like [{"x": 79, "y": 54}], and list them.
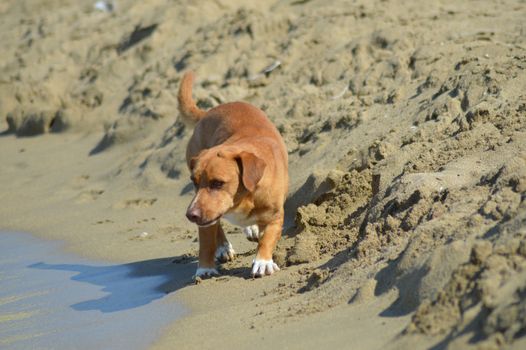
[{"x": 193, "y": 214}]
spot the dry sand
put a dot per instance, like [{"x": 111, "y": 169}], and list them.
[{"x": 405, "y": 123}]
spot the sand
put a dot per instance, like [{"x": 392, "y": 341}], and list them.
[{"x": 405, "y": 123}]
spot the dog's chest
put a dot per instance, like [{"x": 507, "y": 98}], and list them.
[{"x": 240, "y": 219}]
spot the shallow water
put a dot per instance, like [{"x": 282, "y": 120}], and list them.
[{"x": 53, "y": 300}]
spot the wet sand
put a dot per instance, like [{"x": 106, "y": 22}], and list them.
[{"x": 53, "y": 300}]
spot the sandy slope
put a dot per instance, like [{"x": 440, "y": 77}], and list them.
[{"x": 405, "y": 123}]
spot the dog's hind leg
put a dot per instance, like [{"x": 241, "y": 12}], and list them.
[
  {"x": 252, "y": 233},
  {"x": 224, "y": 251}
]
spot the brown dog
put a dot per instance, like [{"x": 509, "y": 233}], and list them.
[{"x": 239, "y": 167}]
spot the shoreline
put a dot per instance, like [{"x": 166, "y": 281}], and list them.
[{"x": 52, "y": 299}]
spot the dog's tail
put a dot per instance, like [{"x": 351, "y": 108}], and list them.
[{"x": 187, "y": 106}]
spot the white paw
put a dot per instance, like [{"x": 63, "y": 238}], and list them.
[
  {"x": 263, "y": 267},
  {"x": 206, "y": 272},
  {"x": 252, "y": 233},
  {"x": 225, "y": 252}
]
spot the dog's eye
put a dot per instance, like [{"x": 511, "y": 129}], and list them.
[{"x": 216, "y": 184}]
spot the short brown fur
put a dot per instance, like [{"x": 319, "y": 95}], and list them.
[{"x": 234, "y": 145}]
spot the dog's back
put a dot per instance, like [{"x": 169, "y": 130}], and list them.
[
  {"x": 239, "y": 165},
  {"x": 228, "y": 122}
]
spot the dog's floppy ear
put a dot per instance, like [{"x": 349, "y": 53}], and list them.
[{"x": 252, "y": 169}]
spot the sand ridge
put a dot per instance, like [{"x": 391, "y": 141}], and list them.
[{"x": 405, "y": 123}]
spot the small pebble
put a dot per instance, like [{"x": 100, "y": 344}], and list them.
[{"x": 104, "y": 6}]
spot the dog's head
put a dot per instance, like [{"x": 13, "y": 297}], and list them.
[{"x": 221, "y": 176}]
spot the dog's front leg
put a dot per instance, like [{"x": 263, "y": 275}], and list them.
[
  {"x": 263, "y": 264},
  {"x": 207, "y": 249}
]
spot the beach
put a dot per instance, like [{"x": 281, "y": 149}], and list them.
[{"x": 405, "y": 124}]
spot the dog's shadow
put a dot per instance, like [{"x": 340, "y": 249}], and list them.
[
  {"x": 130, "y": 285},
  {"x": 236, "y": 272}
]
